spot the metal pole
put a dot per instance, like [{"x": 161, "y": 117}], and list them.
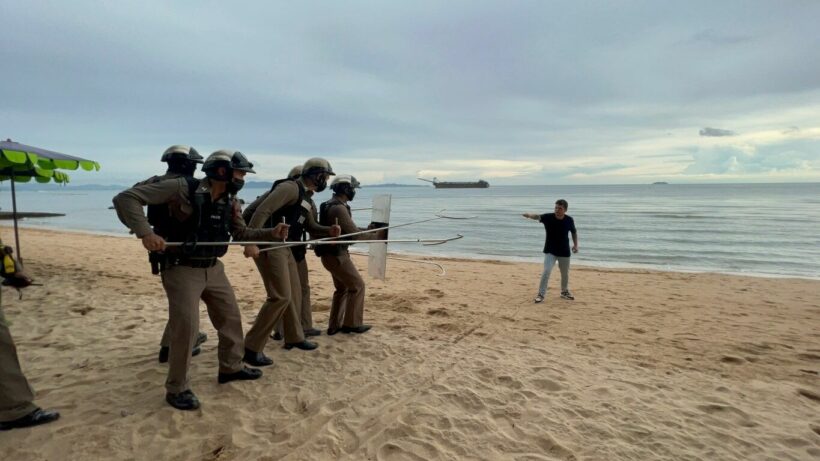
[{"x": 14, "y": 217}]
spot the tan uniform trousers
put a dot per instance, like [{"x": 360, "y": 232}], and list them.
[
  {"x": 347, "y": 308},
  {"x": 16, "y": 395},
  {"x": 185, "y": 286},
  {"x": 166, "y": 336},
  {"x": 281, "y": 279},
  {"x": 306, "y": 312}
]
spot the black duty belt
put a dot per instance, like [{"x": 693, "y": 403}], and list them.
[{"x": 199, "y": 263}]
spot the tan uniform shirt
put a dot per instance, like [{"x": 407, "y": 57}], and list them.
[
  {"x": 175, "y": 193},
  {"x": 340, "y": 214},
  {"x": 286, "y": 194}
]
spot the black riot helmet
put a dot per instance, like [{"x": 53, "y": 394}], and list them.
[
  {"x": 295, "y": 172},
  {"x": 241, "y": 163},
  {"x": 181, "y": 159},
  {"x": 315, "y": 169},
  {"x": 345, "y": 184},
  {"x": 179, "y": 151},
  {"x": 219, "y": 159},
  {"x": 230, "y": 160}
]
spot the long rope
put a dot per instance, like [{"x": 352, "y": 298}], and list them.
[{"x": 420, "y": 261}]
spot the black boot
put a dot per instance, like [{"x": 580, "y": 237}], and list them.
[
  {"x": 276, "y": 336},
  {"x": 245, "y": 374},
  {"x": 185, "y": 400},
  {"x": 201, "y": 337},
  {"x": 35, "y": 418},
  {"x": 256, "y": 359},
  {"x": 304, "y": 345},
  {"x": 313, "y": 332},
  {"x": 358, "y": 330}
]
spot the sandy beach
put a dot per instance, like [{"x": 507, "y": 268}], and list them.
[{"x": 643, "y": 365}]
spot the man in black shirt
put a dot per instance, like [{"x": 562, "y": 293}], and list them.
[{"x": 556, "y": 246}]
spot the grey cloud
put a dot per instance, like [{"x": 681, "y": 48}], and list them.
[
  {"x": 779, "y": 157},
  {"x": 597, "y": 169},
  {"x": 717, "y": 132}
]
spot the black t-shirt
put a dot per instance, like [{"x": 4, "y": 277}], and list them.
[{"x": 557, "y": 242}]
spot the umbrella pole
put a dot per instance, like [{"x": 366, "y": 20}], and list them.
[{"x": 14, "y": 217}]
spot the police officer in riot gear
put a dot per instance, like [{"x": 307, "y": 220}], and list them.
[
  {"x": 182, "y": 163},
  {"x": 347, "y": 308},
  {"x": 286, "y": 200},
  {"x": 206, "y": 211},
  {"x": 305, "y": 309},
  {"x": 181, "y": 160}
]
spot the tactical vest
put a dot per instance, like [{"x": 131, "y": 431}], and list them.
[
  {"x": 295, "y": 216},
  {"x": 159, "y": 216},
  {"x": 324, "y": 219},
  {"x": 209, "y": 222}
]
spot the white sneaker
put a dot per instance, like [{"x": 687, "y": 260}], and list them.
[{"x": 567, "y": 295}]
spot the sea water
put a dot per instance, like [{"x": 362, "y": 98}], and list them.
[{"x": 755, "y": 229}]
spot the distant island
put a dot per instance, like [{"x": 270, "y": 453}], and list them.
[
  {"x": 660, "y": 182},
  {"x": 35, "y": 186}
]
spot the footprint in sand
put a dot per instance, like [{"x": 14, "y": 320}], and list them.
[
  {"x": 408, "y": 450},
  {"x": 448, "y": 327},
  {"x": 82, "y": 310},
  {"x": 404, "y": 306},
  {"x": 726, "y": 411},
  {"x": 509, "y": 381},
  {"x": 732, "y": 359},
  {"x": 810, "y": 357},
  {"x": 547, "y": 385},
  {"x": 435, "y": 293},
  {"x": 344, "y": 435},
  {"x": 809, "y": 394}
]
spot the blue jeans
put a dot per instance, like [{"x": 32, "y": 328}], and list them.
[{"x": 549, "y": 262}]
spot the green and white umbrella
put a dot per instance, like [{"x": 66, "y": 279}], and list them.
[{"x": 22, "y": 163}]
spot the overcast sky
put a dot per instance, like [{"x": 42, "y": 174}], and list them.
[{"x": 514, "y": 92}]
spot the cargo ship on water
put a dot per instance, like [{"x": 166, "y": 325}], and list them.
[{"x": 480, "y": 184}]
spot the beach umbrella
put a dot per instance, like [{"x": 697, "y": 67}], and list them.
[{"x": 22, "y": 163}]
